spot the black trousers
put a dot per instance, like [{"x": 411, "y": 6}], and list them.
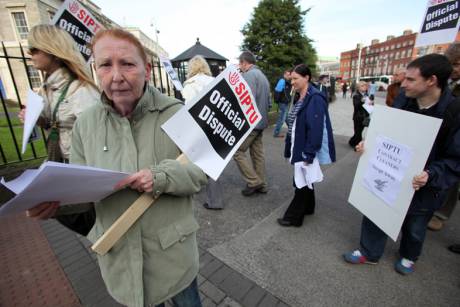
[
  {"x": 358, "y": 136},
  {"x": 302, "y": 204}
]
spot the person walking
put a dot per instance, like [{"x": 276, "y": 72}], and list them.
[
  {"x": 282, "y": 98},
  {"x": 359, "y": 114},
  {"x": 309, "y": 137},
  {"x": 198, "y": 76},
  {"x": 344, "y": 90},
  {"x": 254, "y": 172}
]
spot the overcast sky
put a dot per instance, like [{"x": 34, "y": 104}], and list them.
[{"x": 334, "y": 25}]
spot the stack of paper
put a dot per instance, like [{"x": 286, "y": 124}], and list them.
[
  {"x": 66, "y": 183},
  {"x": 306, "y": 175}
]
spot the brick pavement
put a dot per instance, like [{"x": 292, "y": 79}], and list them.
[
  {"x": 30, "y": 273},
  {"x": 64, "y": 271}
]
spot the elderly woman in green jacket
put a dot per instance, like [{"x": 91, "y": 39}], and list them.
[{"x": 157, "y": 259}]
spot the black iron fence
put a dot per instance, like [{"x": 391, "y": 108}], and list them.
[{"x": 17, "y": 76}]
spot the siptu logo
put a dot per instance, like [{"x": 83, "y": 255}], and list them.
[
  {"x": 234, "y": 78},
  {"x": 74, "y": 7}
]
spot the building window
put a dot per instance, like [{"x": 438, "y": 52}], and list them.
[
  {"x": 34, "y": 76},
  {"x": 392, "y": 47},
  {"x": 21, "y": 24}
]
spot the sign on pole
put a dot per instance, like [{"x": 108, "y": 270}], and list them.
[
  {"x": 213, "y": 125},
  {"x": 78, "y": 21},
  {"x": 382, "y": 188},
  {"x": 171, "y": 72},
  {"x": 440, "y": 23}
]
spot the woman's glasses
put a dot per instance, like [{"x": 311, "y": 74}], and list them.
[{"x": 32, "y": 50}]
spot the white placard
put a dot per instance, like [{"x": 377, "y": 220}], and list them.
[
  {"x": 413, "y": 132},
  {"x": 78, "y": 21},
  {"x": 172, "y": 73},
  {"x": 440, "y": 23},
  {"x": 214, "y": 123},
  {"x": 34, "y": 109},
  {"x": 66, "y": 183}
]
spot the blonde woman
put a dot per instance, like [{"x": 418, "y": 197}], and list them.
[
  {"x": 199, "y": 75},
  {"x": 67, "y": 89}
]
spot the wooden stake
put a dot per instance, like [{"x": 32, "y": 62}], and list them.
[{"x": 127, "y": 219}]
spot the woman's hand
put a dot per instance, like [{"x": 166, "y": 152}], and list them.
[
  {"x": 22, "y": 115},
  {"x": 141, "y": 181},
  {"x": 44, "y": 210}
]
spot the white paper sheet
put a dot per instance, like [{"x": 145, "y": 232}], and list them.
[
  {"x": 306, "y": 175},
  {"x": 386, "y": 168},
  {"x": 69, "y": 184},
  {"x": 34, "y": 109}
]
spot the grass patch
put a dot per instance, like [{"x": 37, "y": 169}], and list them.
[{"x": 7, "y": 143}]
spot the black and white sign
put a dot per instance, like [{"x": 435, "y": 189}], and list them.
[
  {"x": 214, "y": 124},
  {"x": 78, "y": 21},
  {"x": 440, "y": 23}
]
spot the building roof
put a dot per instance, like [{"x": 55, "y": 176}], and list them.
[{"x": 198, "y": 49}]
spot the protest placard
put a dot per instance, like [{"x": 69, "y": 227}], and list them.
[
  {"x": 440, "y": 23},
  {"x": 213, "y": 125},
  {"x": 382, "y": 188},
  {"x": 78, "y": 21},
  {"x": 171, "y": 72}
]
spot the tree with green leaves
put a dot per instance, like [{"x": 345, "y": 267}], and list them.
[{"x": 275, "y": 34}]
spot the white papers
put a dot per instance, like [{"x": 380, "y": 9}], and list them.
[
  {"x": 386, "y": 169},
  {"x": 306, "y": 175},
  {"x": 66, "y": 183},
  {"x": 34, "y": 109}
]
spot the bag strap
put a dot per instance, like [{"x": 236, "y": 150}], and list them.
[{"x": 60, "y": 99}]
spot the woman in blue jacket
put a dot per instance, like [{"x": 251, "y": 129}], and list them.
[{"x": 309, "y": 137}]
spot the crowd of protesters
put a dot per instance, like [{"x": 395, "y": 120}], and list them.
[{"x": 107, "y": 130}]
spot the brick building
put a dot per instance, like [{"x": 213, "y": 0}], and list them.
[{"x": 379, "y": 58}]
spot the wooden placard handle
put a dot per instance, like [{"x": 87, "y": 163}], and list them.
[{"x": 126, "y": 220}]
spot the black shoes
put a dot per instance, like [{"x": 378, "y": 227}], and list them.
[
  {"x": 248, "y": 191},
  {"x": 288, "y": 223},
  {"x": 206, "y": 205}
]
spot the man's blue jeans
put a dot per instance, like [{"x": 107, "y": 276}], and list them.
[
  {"x": 189, "y": 297},
  {"x": 413, "y": 233},
  {"x": 281, "y": 118}
]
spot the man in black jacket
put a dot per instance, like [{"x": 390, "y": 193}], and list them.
[{"x": 426, "y": 93}]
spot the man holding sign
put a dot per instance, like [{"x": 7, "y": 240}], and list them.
[{"x": 426, "y": 93}]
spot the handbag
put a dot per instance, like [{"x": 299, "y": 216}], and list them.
[{"x": 52, "y": 143}]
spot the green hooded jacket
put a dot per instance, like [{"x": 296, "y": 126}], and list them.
[{"x": 158, "y": 257}]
